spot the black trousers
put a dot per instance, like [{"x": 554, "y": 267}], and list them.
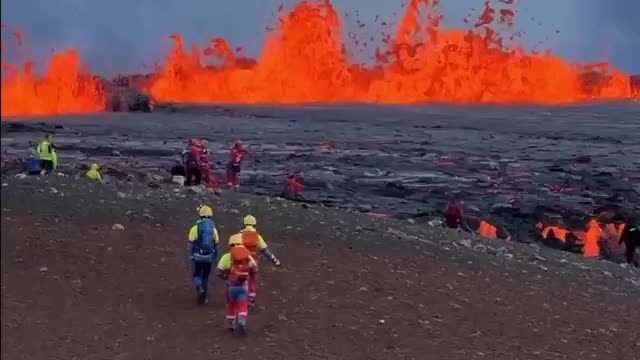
[
  {"x": 201, "y": 272},
  {"x": 47, "y": 165},
  {"x": 630, "y": 249},
  {"x": 193, "y": 175}
]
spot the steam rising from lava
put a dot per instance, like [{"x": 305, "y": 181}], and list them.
[{"x": 304, "y": 60}]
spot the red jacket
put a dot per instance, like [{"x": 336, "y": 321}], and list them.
[
  {"x": 236, "y": 156},
  {"x": 295, "y": 186}
]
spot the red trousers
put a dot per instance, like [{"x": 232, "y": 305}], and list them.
[
  {"x": 253, "y": 286},
  {"x": 237, "y": 301}
]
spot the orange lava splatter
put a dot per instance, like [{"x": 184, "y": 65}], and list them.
[
  {"x": 304, "y": 61},
  {"x": 487, "y": 230},
  {"x": 64, "y": 87}
]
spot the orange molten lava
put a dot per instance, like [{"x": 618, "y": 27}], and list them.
[
  {"x": 487, "y": 230},
  {"x": 558, "y": 232},
  {"x": 64, "y": 88},
  {"x": 591, "y": 246},
  {"x": 304, "y": 61}
]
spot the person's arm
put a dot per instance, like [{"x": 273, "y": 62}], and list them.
[
  {"x": 262, "y": 245},
  {"x": 193, "y": 235},
  {"x": 223, "y": 267},
  {"x": 216, "y": 239}
]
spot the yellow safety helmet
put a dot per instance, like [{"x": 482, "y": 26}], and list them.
[
  {"x": 250, "y": 220},
  {"x": 94, "y": 167},
  {"x": 235, "y": 241},
  {"x": 205, "y": 210}
]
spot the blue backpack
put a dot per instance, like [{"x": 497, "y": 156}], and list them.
[{"x": 205, "y": 244}]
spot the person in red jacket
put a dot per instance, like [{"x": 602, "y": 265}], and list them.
[
  {"x": 293, "y": 189},
  {"x": 453, "y": 217},
  {"x": 236, "y": 156}
]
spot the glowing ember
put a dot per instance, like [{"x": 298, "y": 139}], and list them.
[
  {"x": 64, "y": 88},
  {"x": 304, "y": 61}
]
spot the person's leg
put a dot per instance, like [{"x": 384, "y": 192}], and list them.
[
  {"x": 188, "y": 175},
  {"x": 229, "y": 174},
  {"x": 630, "y": 250},
  {"x": 197, "y": 279},
  {"x": 235, "y": 176},
  {"x": 242, "y": 310},
  {"x": 231, "y": 307},
  {"x": 206, "y": 271},
  {"x": 253, "y": 287},
  {"x": 198, "y": 174},
  {"x": 47, "y": 166}
]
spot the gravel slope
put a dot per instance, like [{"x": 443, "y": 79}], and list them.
[{"x": 353, "y": 286}]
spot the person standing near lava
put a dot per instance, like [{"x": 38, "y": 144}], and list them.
[
  {"x": 236, "y": 156},
  {"x": 453, "y": 216},
  {"x": 630, "y": 237},
  {"x": 47, "y": 152},
  {"x": 191, "y": 161},
  {"x": 293, "y": 189},
  {"x": 205, "y": 165}
]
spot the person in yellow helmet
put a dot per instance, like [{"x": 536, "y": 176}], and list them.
[
  {"x": 203, "y": 250},
  {"x": 47, "y": 152},
  {"x": 254, "y": 242},
  {"x": 94, "y": 173},
  {"x": 236, "y": 267}
]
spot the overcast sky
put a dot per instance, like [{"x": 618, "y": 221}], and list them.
[{"x": 121, "y": 35}]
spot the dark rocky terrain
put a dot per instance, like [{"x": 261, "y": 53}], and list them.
[
  {"x": 513, "y": 165},
  {"x": 353, "y": 286}
]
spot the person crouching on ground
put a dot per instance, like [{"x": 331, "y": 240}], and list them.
[
  {"x": 47, "y": 152},
  {"x": 236, "y": 267},
  {"x": 202, "y": 251},
  {"x": 234, "y": 165},
  {"x": 254, "y": 242},
  {"x": 33, "y": 164},
  {"x": 94, "y": 173}
]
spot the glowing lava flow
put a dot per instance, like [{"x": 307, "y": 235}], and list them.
[
  {"x": 304, "y": 61},
  {"x": 64, "y": 88}
]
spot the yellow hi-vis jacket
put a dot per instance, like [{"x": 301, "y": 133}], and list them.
[
  {"x": 45, "y": 150},
  {"x": 94, "y": 174}
]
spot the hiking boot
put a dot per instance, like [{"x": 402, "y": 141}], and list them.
[
  {"x": 231, "y": 324},
  {"x": 241, "y": 325},
  {"x": 202, "y": 296}
]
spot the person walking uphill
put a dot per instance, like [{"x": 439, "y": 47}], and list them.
[
  {"x": 47, "y": 152},
  {"x": 202, "y": 251},
  {"x": 233, "y": 166},
  {"x": 237, "y": 267},
  {"x": 254, "y": 242}
]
